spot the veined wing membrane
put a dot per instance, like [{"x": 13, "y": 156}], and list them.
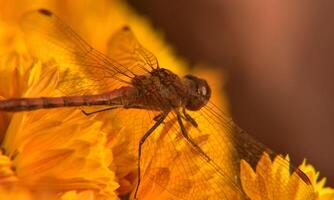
[
  {"x": 125, "y": 48},
  {"x": 188, "y": 174},
  {"x": 191, "y": 176},
  {"x": 245, "y": 148},
  {"x": 85, "y": 70}
]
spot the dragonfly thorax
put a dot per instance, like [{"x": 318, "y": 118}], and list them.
[
  {"x": 165, "y": 90},
  {"x": 161, "y": 89}
]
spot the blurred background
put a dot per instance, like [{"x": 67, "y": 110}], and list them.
[{"x": 278, "y": 60}]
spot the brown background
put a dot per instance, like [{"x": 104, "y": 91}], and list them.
[{"x": 279, "y": 57}]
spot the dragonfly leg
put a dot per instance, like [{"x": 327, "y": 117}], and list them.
[
  {"x": 157, "y": 118},
  {"x": 160, "y": 118},
  {"x": 186, "y": 136},
  {"x": 98, "y": 111},
  {"x": 111, "y": 108},
  {"x": 189, "y": 118}
]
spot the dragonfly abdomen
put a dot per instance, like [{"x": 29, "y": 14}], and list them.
[
  {"x": 115, "y": 97},
  {"x": 21, "y": 104},
  {"x": 26, "y": 104}
]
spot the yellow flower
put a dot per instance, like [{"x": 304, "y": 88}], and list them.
[
  {"x": 323, "y": 193},
  {"x": 259, "y": 184},
  {"x": 15, "y": 193},
  {"x": 8, "y": 176},
  {"x": 58, "y": 151}
]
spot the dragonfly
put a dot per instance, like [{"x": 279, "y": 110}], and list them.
[{"x": 204, "y": 145}]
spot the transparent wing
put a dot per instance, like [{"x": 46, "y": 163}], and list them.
[
  {"x": 128, "y": 127},
  {"x": 182, "y": 172},
  {"x": 84, "y": 69},
  {"x": 125, "y": 48}
]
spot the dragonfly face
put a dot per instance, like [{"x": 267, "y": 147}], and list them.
[{"x": 199, "y": 92}]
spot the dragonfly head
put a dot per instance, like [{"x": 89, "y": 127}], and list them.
[{"x": 199, "y": 92}]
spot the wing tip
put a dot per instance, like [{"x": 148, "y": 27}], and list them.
[
  {"x": 303, "y": 176},
  {"x": 126, "y": 28},
  {"x": 45, "y": 12}
]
